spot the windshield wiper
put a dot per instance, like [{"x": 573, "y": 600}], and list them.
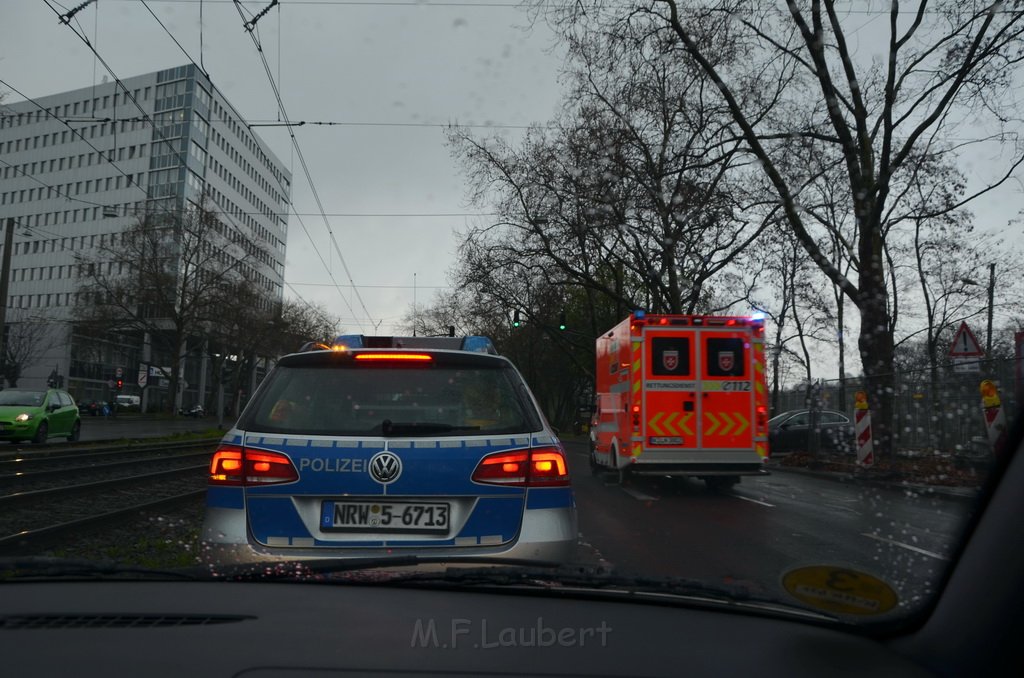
[
  {"x": 40, "y": 568},
  {"x": 498, "y": 573},
  {"x": 380, "y": 569},
  {"x": 591, "y": 580},
  {"x": 388, "y": 427}
]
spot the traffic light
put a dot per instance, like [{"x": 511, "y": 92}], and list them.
[
  {"x": 120, "y": 384},
  {"x": 561, "y": 320},
  {"x": 515, "y": 318}
]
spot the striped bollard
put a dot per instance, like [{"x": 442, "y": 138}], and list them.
[
  {"x": 862, "y": 427},
  {"x": 995, "y": 420}
]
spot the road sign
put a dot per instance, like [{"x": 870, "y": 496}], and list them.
[
  {"x": 965, "y": 344},
  {"x": 110, "y": 383},
  {"x": 143, "y": 378},
  {"x": 966, "y": 365}
]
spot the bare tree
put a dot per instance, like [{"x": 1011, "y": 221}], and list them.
[
  {"x": 946, "y": 81},
  {"x": 631, "y": 193},
  {"x": 166, "y": 277},
  {"x": 26, "y": 338},
  {"x": 801, "y": 313}
]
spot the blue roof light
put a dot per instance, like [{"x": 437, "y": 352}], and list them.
[
  {"x": 478, "y": 344},
  {"x": 349, "y": 340}
]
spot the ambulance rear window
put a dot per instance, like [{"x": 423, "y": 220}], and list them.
[
  {"x": 671, "y": 356},
  {"x": 725, "y": 357}
]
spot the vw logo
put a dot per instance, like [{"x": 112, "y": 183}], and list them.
[{"x": 385, "y": 467}]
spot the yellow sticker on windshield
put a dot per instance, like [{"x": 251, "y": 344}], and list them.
[{"x": 840, "y": 590}]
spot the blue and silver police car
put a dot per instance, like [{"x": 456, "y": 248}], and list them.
[{"x": 383, "y": 446}]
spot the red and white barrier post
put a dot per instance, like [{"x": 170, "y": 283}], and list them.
[
  {"x": 862, "y": 427},
  {"x": 995, "y": 420}
]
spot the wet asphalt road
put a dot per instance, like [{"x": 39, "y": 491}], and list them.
[{"x": 764, "y": 527}]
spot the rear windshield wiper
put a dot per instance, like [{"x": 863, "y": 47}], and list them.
[{"x": 388, "y": 427}]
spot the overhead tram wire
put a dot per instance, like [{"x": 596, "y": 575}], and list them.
[
  {"x": 419, "y": 4},
  {"x": 280, "y": 182},
  {"x": 309, "y": 236},
  {"x": 102, "y": 154},
  {"x": 39, "y": 181},
  {"x": 302, "y": 159},
  {"x": 127, "y": 93},
  {"x": 152, "y": 122}
]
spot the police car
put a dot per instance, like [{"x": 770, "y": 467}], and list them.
[{"x": 382, "y": 446}]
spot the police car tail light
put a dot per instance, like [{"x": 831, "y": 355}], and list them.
[
  {"x": 548, "y": 467},
  {"x": 504, "y": 468},
  {"x": 234, "y": 465},
  {"x": 267, "y": 468},
  {"x": 226, "y": 466},
  {"x": 543, "y": 466}
]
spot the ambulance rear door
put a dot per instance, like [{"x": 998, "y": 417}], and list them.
[
  {"x": 669, "y": 404},
  {"x": 726, "y": 376}
]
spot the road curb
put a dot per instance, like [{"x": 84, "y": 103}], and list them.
[{"x": 961, "y": 493}]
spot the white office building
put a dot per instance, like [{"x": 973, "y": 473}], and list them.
[{"x": 78, "y": 167}]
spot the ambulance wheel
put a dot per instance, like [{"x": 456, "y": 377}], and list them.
[
  {"x": 721, "y": 483},
  {"x": 619, "y": 472}
]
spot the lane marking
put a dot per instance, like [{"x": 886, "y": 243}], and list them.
[
  {"x": 636, "y": 494},
  {"x": 837, "y": 507},
  {"x": 754, "y": 501},
  {"x": 905, "y": 546}
]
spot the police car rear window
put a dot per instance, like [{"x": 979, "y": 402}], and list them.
[{"x": 343, "y": 399}]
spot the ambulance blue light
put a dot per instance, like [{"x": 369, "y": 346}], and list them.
[
  {"x": 757, "y": 315},
  {"x": 639, "y": 315},
  {"x": 349, "y": 341}
]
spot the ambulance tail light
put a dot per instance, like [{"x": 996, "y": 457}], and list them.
[
  {"x": 762, "y": 419},
  {"x": 234, "y": 465},
  {"x": 539, "y": 467},
  {"x": 636, "y": 418}
]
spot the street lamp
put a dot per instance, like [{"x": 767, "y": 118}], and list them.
[{"x": 991, "y": 305}]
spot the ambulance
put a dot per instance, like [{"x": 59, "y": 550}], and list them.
[{"x": 681, "y": 395}]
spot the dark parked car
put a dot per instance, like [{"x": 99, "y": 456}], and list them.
[
  {"x": 791, "y": 432},
  {"x": 94, "y": 408}
]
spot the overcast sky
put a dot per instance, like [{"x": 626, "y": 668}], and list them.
[
  {"x": 395, "y": 72},
  {"x": 406, "y": 69}
]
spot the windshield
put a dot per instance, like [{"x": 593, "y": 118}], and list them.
[
  {"x": 26, "y": 398},
  {"x": 754, "y": 272}
]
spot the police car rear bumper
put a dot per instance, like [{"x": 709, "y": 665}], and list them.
[{"x": 547, "y": 535}]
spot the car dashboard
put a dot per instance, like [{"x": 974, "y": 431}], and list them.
[{"x": 288, "y": 629}]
